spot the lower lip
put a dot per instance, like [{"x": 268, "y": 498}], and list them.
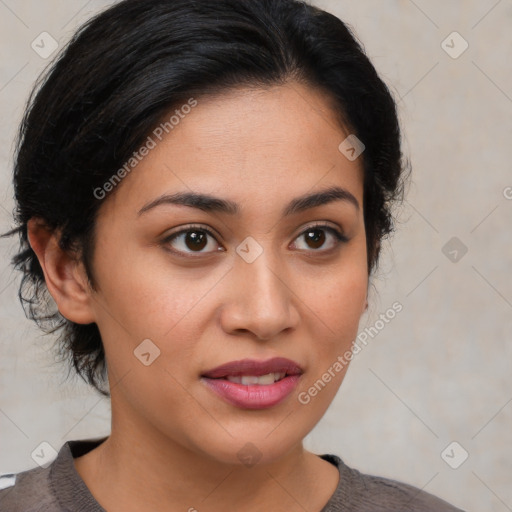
[{"x": 253, "y": 396}]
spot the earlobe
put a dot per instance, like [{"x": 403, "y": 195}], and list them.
[{"x": 63, "y": 273}]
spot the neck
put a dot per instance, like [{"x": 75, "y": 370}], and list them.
[{"x": 135, "y": 470}]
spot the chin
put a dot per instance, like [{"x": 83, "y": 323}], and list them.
[{"x": 248, "y": 451}]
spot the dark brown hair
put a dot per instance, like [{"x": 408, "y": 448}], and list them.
[{"x": 130, "y": 65}]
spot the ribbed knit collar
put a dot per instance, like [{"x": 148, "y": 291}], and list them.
[
  {"x": 67, "y": 485},
  {"x": 74, "y": 496}
]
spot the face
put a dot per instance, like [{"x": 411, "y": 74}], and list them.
[{"x": 185, "y": 287}]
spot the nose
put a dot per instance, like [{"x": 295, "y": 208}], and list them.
[{"x": 261, "y": 299}]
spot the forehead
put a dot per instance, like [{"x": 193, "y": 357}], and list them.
[{"x": 247, "y": 141}]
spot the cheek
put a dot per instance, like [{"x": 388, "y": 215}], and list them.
[
  {"x": 338, "y": 308},
  {"x": 148, "y": 298},
  {"x": 148, "y": 295},
  {"x": 343, "y": 297},
  {"x": 337, "y": 300}
]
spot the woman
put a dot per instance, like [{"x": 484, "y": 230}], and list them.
[{"x": 202, "y": 189}]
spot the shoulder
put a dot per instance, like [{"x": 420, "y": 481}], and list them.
[
  {"x": 369, "y": 493},
  {"x": 28, "y": 491},
  {"x": 396, "y": 494},
  {"x": 55, "y": 487}
]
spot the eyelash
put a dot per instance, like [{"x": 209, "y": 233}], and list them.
[{"x": 338, "y": 235}]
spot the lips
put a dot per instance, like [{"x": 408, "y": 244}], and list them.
[
  {"x": 254, "y": 368},
  {"x": 251, "y": 384}
]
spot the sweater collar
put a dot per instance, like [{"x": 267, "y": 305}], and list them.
[
  {"x": 67, "y": 484},
  {"x": 74, "y": 496}
]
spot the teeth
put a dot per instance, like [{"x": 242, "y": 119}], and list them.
[{"x": 262, "y": 380}]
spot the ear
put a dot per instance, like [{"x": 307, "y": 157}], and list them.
[
  {"x": 65, "y": 276},
  {"x": 376, "y": 252}
]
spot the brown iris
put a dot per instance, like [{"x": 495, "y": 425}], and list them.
[
  {"x": 196, "y": 240},
  {"x": 315, "y": 237}
]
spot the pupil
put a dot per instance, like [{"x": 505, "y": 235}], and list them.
[
  {"x": 195, "y": 240},
  {"x": 316, "y": 236}
]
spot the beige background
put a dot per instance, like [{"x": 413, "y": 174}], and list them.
[{"x": 440, "y": 371}]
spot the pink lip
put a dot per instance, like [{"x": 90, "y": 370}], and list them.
[{"x": 253, "y": 396}]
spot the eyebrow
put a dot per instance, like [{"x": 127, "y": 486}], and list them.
[{"x": 210, "y": 203}]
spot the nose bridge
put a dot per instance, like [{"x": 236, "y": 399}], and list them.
[
  {"x": 263, "y": 276},
  {"x": 262, "y": 301}
]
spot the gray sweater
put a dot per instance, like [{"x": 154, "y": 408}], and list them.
[{"x": 59, "y": 488}]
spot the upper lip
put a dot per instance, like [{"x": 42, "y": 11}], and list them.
[{"x": 254, "y": 367}]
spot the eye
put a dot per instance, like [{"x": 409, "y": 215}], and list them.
[
  {"x": 193, "y": 239},
  {"x": 315, "y": 238}
]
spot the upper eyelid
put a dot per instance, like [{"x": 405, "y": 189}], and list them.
[
  {"x": 192, "y": 227},
  {"x": 320, "y": 224}
]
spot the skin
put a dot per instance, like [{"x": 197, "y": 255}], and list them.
[{"x": 174, "y": 443}]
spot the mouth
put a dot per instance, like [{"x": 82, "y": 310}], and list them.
[
  {"x": 262, "y": 380},
  {"x": 251, "y": 371},
  {"x": 251, "y": 384}
]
